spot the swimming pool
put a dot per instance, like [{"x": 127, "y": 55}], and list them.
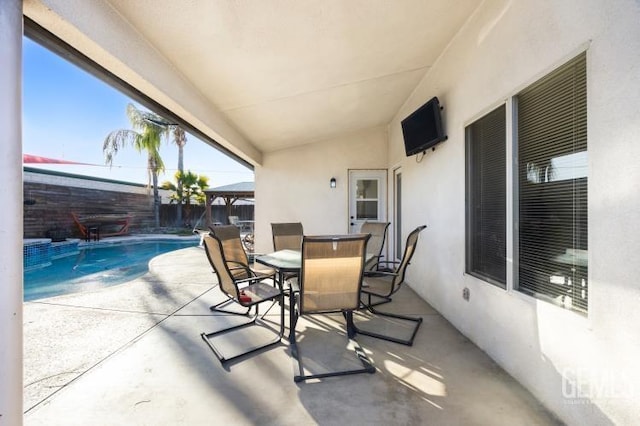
[{"x": 96, "y": 266}]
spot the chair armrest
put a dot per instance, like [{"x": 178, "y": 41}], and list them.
[
  {"x": 380, "y": 274},
  {"x": 250, "y": 280},
  {"x": 384, "y": 266}
]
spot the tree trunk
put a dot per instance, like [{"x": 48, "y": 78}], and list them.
[
  {"x": 156, "y": 199},
  {"x": 180, "y": 140}
]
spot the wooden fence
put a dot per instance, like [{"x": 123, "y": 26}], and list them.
[{"x": 48, "y": 208}]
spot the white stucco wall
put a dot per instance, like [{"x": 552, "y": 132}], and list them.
[
  {"x": 293, "y": 185},
  {"x": 503, "y": 48},
  {"x": 11, "y": 216}
]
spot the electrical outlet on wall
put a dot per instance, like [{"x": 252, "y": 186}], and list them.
[{"x": 465, "y": 294}]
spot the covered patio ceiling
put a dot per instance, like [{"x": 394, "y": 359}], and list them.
[{"x": 273, "y": 73}]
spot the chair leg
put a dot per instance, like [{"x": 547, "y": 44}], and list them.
[
  {"x": 216, "y": 308},
  {"x": 367, "y": 366},
  {"x": 384, "y": 299},
  {"x": 254, "y": 321},
  {"x": 407, "y": 342}
]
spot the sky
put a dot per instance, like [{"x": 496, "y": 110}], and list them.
[{"x": 67, "y": 113}]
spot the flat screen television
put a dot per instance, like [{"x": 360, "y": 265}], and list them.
[{"x": 423, "y": 128}]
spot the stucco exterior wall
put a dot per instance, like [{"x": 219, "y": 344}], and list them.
[
  {"x": 293, "y": 185},
  {"x": 557, "y": 354}
]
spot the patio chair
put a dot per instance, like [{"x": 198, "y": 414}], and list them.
[
  {"x": 382, "y": 284},
  {"x": 248, "y": 292},
  {"x": 330, "y": 281},
  {"x": 287, "y": 236},
  {"x": 242, "y": 225},
  {"x": 237, "y": 259},
  {"x": 378, "y": 231}
]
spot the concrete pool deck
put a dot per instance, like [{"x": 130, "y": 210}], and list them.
[{"x": 132, "y": 354}]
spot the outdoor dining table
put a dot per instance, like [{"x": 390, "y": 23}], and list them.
[{"x": 285, "y": 262}]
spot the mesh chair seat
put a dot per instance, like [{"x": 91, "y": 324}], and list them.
[
  {"x": 258, "y": 292},
  {"x": 377, "y": 285}
]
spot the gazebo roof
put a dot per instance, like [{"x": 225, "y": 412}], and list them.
[{"x": 231, "y": 193}]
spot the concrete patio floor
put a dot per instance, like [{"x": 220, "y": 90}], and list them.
[{"x": 132, "y": 355}]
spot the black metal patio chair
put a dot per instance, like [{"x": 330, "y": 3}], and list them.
[
  {"x": 330, "y": 281},
  {"x": 248, "y": 292},
  {"x": 287, "y": 236},
  {"x": 378, "y": 231},
  {"x": 383, "y": 282},
  {"x": 237, "y": 260}
]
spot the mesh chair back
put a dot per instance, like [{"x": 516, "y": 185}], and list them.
[
  {"x": 215, "y": 254},
  {"x": 409, "y": 250},
  {"x": 378, "y": 231},
  {"x": 331, "y": 273},
  {"x": 287, "y": 236},
  {"x": 229, "y": 237}
]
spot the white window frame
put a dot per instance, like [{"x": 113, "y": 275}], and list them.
[{"x": 512, "y": 186}]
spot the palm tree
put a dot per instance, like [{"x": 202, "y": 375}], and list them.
[
  {"x": 180, "y": 139},
  {"x": 193, "y": 187},
  {"x": 148, "y": 131}
]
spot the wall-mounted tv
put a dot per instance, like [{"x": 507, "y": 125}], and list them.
[{"x": 423, "y": 128}]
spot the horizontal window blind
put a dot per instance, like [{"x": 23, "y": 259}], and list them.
[
  {"x": 486, "y": 198},
  {"x": 552, "y": 183}
]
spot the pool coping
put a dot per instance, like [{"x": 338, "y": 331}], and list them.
[{"x": 135, "y": 238}]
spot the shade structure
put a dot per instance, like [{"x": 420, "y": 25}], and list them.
[{"x": 36, "y": 159}]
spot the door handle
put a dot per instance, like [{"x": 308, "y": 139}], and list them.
[{"x": 352, "y": 224}]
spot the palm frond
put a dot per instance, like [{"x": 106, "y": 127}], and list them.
[
  {"x": 115, "y": 141},
  {"x": 168, "y": 185},
  {"x": 179, "y": 136}
]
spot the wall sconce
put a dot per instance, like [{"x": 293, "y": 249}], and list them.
[{"x": 332, "y": 182}]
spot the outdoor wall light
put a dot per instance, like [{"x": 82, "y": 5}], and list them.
[{"x": 332, "y": 182}]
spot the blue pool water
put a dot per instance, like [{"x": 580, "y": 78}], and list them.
[{"x": 95, "y": 267}]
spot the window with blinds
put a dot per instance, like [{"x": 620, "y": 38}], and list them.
[
  {"x": 552, "y": 187},
  {"x": 486, "y": 231}
]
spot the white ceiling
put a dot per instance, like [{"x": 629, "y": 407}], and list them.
[{"x": 289, "y": 72}]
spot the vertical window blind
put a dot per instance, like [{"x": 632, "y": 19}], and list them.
[
  {"x": 486, "y": 198},
  {"x": 552, "y": 187}
]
